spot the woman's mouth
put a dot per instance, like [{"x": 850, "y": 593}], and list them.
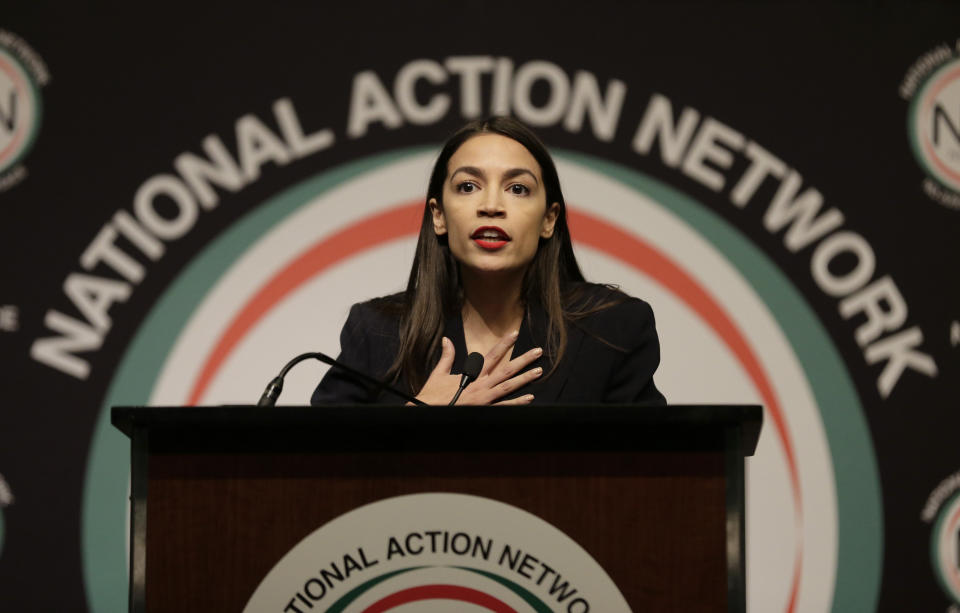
[{"x": 490, "y": 237}]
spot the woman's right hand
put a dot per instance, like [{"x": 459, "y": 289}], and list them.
[{"x": 497, "y": 379}]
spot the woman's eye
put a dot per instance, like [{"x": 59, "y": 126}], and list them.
[
  {"x": 466, "y": 187},
  {"x": 518, "y": 189}
]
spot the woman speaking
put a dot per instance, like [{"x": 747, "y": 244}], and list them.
[{"x": 494, "y": 273}]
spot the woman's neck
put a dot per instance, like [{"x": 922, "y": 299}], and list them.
[{"x": 492, "y": 308}]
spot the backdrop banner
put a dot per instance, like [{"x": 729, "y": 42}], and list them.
[{"x": 192, "y": 197}]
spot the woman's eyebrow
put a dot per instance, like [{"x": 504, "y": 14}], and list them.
[
  {"x": 470, "y": 170},
  {"x": 514, "y": 172},
  {"x": 509, "y": 174}
]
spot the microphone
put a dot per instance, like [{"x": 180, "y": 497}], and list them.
[
  {"x": 270, "y": 395},
  {"x": 471, "y": 370}
]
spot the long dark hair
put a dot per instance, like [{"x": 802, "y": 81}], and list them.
[{"x": 553, "y": 280}]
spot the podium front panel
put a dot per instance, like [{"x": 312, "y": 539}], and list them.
[{"x": 658, "y": 508}]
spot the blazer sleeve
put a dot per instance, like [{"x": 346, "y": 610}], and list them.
[
  {"x": 634, "y": 331},
  {"x": 356, "y": 351}
]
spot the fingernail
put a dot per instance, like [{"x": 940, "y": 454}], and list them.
[
  {"x": 538, "y": 370},
  {"x": 538, "y": 350},
  {"x": 529, "y": 397}
]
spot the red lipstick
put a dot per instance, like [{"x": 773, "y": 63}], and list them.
[{"x": 490, "y": 238}]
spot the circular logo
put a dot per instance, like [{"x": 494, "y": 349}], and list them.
[
  {"x": 934, "y": 125},
  {"x": 281, "y": 280},
  {"x": 437, "y": 552},
  {"x": 19, "y": 110},
  {"x": 945, "y": 547}
]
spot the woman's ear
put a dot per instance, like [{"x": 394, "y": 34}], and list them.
[
  {"x": 549, "y": 220},
  {"x": 439, "y": 223}
]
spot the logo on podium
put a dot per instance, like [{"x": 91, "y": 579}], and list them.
[{"x": 437, "y": 552}]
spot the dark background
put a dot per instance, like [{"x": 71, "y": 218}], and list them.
[{"x": 816, "y": 85}]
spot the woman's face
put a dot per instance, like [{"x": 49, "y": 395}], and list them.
[{"x": 494, "y": 208}]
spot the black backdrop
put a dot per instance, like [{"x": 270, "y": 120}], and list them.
[{"x": 129, "y": 91}]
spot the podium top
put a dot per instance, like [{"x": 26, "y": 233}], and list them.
[{"x": 378, "y": 427}]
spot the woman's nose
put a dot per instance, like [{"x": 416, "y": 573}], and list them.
[{"x": 491, "y": 206}]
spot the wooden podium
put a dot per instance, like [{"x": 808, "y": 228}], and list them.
[{"x": 654, "y": 494}]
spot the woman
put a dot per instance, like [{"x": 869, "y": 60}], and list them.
[{"x": 495, "y": 273}]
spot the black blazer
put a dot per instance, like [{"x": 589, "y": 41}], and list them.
[{"x": 610, "y": 357}]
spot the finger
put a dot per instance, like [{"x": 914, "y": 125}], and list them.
[
  {"x": 512, "y": 367},
  {"x": 527, "y": 399},
  {"x": 496, "y": 353},
  {"x": 447, "y": 353},
  {"x": 515, "y": 383}
]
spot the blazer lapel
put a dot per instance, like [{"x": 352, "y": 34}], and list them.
[
  {"x": 453, "y": 329},
  {"x": 533, "y": 333}
]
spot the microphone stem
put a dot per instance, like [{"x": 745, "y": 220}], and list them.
[
  {"x": 380, "y": 385},
  {"x": 459, "y": 391}
]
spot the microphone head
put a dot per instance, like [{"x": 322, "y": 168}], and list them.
[{"x": 473, "y": 365}]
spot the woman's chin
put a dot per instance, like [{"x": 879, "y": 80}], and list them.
[{"x": 491, "y": 268}]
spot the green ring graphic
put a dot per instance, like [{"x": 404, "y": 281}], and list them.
[
  {"x": 860, "y": 534},
  {"x": 38, "y": 114}
]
